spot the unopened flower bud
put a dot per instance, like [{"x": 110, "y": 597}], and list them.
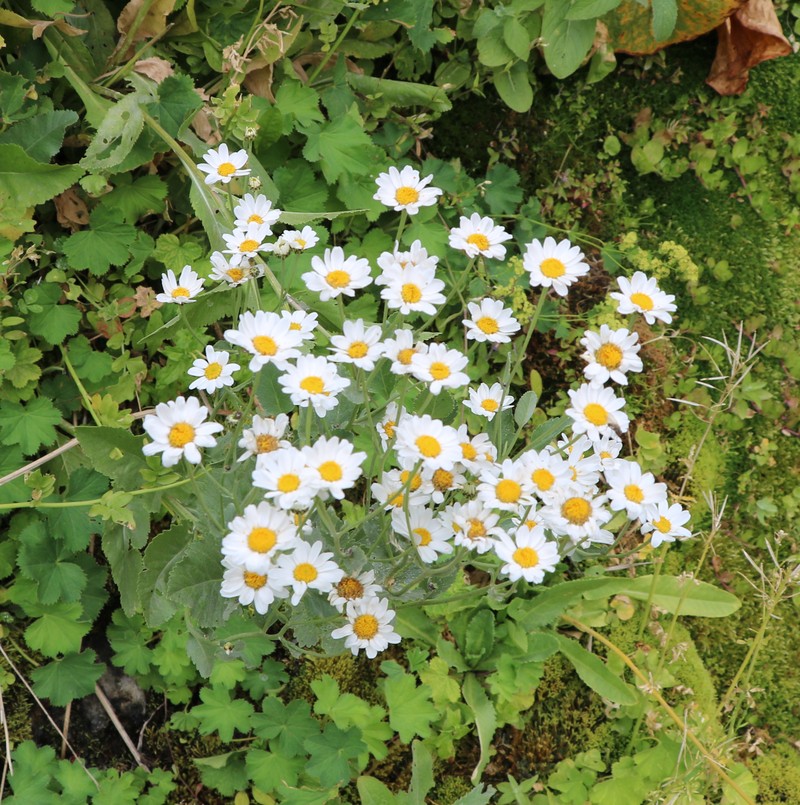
[{"x": 254, "y": 183}]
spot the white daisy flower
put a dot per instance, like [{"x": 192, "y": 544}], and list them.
[
  {"x": 399, "y": 490},
  {"x": 607, "y": 449},
  {"x": 411, "y": 290},
  {"x": 350, "y": 589},
  {"x": 223, "y": 271},
  {"x": 477, "y": 453},
  {"x": 180, "y": 290},
  {"x": 267, "y": 337},
  {"x": 422, "y": 438},
  {"x": 440, "y": 368},
  {"x": 178, "y": 428},
  {"x": 425, "y": 529},
  {"x": 332, "y": 275},
  {"x": 506, "y": 487},
  {"x": 313, "y": 381},
  {"x": 416, "y": 257},
  {"x": 444, "y": 481},
  {"x": 257, "y": 535},
  {"x": 368, "y": 627},
  {"x": 633, "y": 490},
  {"x": 554, "y": 265},
  {"x": 301, "y": 322},
  {"x": 264, "y": 436},
  {"x": 488, "y": 400},
  {"x": 666, "y": 524},
  {"x": 641, "y": 294},
  {"x": 610, "y": 354},
  {"x": 336, "y": 466},
  {"x": 258, "y": 589},
  {"x": 244, "y": 243},
  {"x": 579, "y": 515},
  {"x": 222, "y": 165},
  {"x": 479, "y": 236},
  {"x": 474, "y": 525},
  {"x": 595, "y": 410},
  {"x": 547, "y": 472},
  {"x": 528, "y": 555},
  {"x": 307, "y": 567},
  {"x": 256, "y": 210},
  {"x": 388, "y": 422},
  {"x": 490, "y": 321},
  {"x": 401, "y": 349},
  {"x": 301, "y": 240},
  {"x": 404, "y": 190},
  {"x": 358, "y": 344},
  {"x": 212, "y": 372},
  {"x": 286, "y": 479}
]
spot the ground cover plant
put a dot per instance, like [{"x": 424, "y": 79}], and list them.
[{"x": 359, "y": 480}]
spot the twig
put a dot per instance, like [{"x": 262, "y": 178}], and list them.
[
  {"x": 67, "y": 716},
  {"x": 118, "y": 726},
  {"x": 7, "y": 764}
]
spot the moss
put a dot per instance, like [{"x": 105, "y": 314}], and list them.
[
  {"x": 356, "y": 675},
  {"x": 778, "y": 775},
  {"x": 449, "y": 789}
]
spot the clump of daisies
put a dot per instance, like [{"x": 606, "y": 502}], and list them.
[{"x": 439, "y": 491}]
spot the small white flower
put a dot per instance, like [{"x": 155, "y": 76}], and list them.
[
  {"x": 411, "y": 290},
  {"x": 507, "y": 487},
  {"x": 223, "y": 271},
  {"x": 444, "y": 481},
  {"x": 554, "y": 265},
  {"x": 358, "y": 344},
  {"x": 222, "y": 166},
  {"x": 301, "y": 322},
  {"x": 388, "y": 422},
  {"x": 422, "y": 438},
  {"x": 264, "y": 436},
  {"x": 607, "y": 449},
  {"x": 579, "y": 515},
  {"x": 426, "y": 529},
  {"x": 244, "y": 243},
  {"x": 400, "y": 489},
  {"x": 178, "y": 428},
  {"x": 256, "y": 210},
  {"x": 641, "y": 294},
  {"x": 477, "y": 453},
  {"x": 401, "y": 349},
  {"x": 301, "y": 240},
  {"x": 335, "y": 464},
  {"x": 213, "y": 372},
  {"x": 416, "y": 257},
  {"x": 286, "y": 478},
  {"x": 440, "y": 367},
  {"x": 332, "y": 275},
  {"x": 595, "y": 410},
  {"x": 547, "y": 472},
  {"x": 368, "y": 627},
  {"x": 257, "y": 535},
  {"x": 666, "y": 524},
  {"x": 313, "y": 381},
  {"x": 474, "y": 525},
  {"x": 488, "y": 400},
  {"x": 610, "y": 354},
  {"x": 360, "y": 587},
  {"x": 180, "y": 290},
  {"x": 528, "y": 555},
  {"x": 479, "y": 236},
  {"x": 258, "y": 589},
  {"x": 490, "y": 321},
  {"x": 633, "y": 490},
  {"x": 307, "y": 567},
  {"x": 404, "y": 190},
  {"x": 268, "y": 337}
]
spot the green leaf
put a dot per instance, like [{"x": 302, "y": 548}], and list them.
[
  {"x": 479, "y": 636},
  {"x": 341, "y": 146},
  {"x": 300, "y": 189},
  {"x": 114, "y": 452},
  {"x": 503, "y": 193},
  {"x": 594, "y": 672},
  {"x": 682, "y": 595},
  {"x": 590, "y": 9},
  {"x": 268, "y": 392},
  {"x": 485, "y": 720},
  {"x": 51, "y": 8},
  {"x": 422, "y": 780},
  {"x": 90, "y": 364},
  {"x": 665, "y": 17},
  {"x": 480, "y": 795},
  {"x": 177, "y": 104},
  {"x": 493, "y": 51},
  {"x": 58, "y": 630},
  {"x": 401, "y": 93},
  {"x": 41, "y": 135},
  {"x": 163, "y": 552},
  {"x": 410, "y": 708},
  {"x": 565, "y": 42},
  {"x": 134, "y": 199},
  {"x": 285, "y": 726},
  {"x": 128, "y": 636},
  {"x": 524, "y": 410},
  {"x": 331, "y": 753},
  {"x": 30, "y": 426},
  {"x": 299, "y": 105},
  {"x": 373, "y": 792},
  {"x": 226, "y": 773},
  {"x": 106, "y": 243},
  {"x": 268, "y": 770},
  {"x": 72, "y": 677},
  {"x": 56, "y": 319},
  {"x": 74, "y": 526},
  {"x": 517, "y": 38},
  {"x": 420, "y": 33},
  {"x": 29, "y": 182},
  {"x": 221, "y": 714},
  {"x": 117, "y": 134},
  {"x": 176, "y": 254},
  {"x": 43, "y": 559}
]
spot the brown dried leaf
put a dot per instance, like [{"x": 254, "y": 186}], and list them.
[
  {"x": 145, "y": 299},
  {"x": 71, "y": 211},
  {"x": 156, "y": 68},
  {"x": 154, "y": 22},
  {"x": 751, "y": 35}
]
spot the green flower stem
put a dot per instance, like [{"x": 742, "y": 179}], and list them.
[
  {"x": 321, "y": 66},
  {"x": 401, "y": 226},
  {"x": 457, "y": 283},
  {"x": 659, "y": 563},
  {"x": 715, "y": 762},
  {"x": 84, "y": 396}
]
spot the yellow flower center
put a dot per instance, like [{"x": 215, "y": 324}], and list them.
[
  {"x": 301, "y": 244},
  {"x": 525, "y": 557},
  {"x": 288, "y": 482},
  {"x": 609, "y": 355},
  {"x": 428, "y": 446},
  {"x": 254, "y": 580},
  {"x": 213, "y": 371},
  {"x": 358, "y": 349},
  {"x": 338, "y": 279},
  {"x": 261, "y": 539},
  {"x": 424, "y": 536},
  {"x": 255, "y": 218},
  {"x": 265, "y": 345},
  {"x": 596, "y": 414},
  {"x": 543, "y": 479},
  {"x": 305, "y": 572},
  {"x": 416, "y": 481},
  {"x": 235, "y": 274},
  {"x": 576, "y": 510},
  {"x": 330, "y": 471},
  {"x": 468, "y": 451},
  {"x": 181, "y": 434},
  {"x": 365, "y": 627},
  {"x": 313, "y": 384},
  {"x": 266, "y": 443},
  {"x": 226, "y": 168},
  {"x": 552, "y": 268},
  {"x": 388, "y": 429},
  {"x": 411, "y": 293},
  {"x": 634, "y": 493},
  {"x": 350, "y": 588},
  {"x": 476, "y": 529},
  {"x": 405, "y": 355},
  {"x": 490, "y": 405},
  {"x": 439, "y": 370},
  {"x": 663, "y": 525},
  {"x": 642, "y": 300},
  {"x": 406, "y": 195},
  {"x": 508, "y": 491},
  {"x": 248, "y": 245},
  {"x": 487, "y": 324},
  {"x": 478, "y": 240},
  {"x": 180, "y": 293},
  {"x": 442, "y": 480},
  {"x": 295, "y": 326}
]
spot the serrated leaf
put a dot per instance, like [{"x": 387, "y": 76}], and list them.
[
  {"x": 41, "y": 135},
  {"x": 162, "y": 554},
  {"x": 45, "y": 560},
  {"x": 56, "y": 319},
  {"x": 117, "y": 134},
  {"x": 411, "y": 710},
  {"x": 595, "y": 673},
  {"x": 29, "y": 182},
  {"x": 268, "y": 770},
  {"x": 340, "y": 146},
  {"x": 176, "y": 254},
  {"x": 104, "y": 244},
  {"x": 58, "y": 630},
  {"x": 503, "y": 191},
  {"x": 176, "y": 105},
  {"x": 195, "y": 582},
  {"x": 114, "y": 452},
  {"x": 221, "y": 714},
  {"x": 135, "y": 199},
  {"x": 285, "y": 726},
  {"x": 72, "y": 677},
  {"x": 331, "y": 753},
  {"x": 30, "y": 425},
  {"x": 514, "y": 87}
]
